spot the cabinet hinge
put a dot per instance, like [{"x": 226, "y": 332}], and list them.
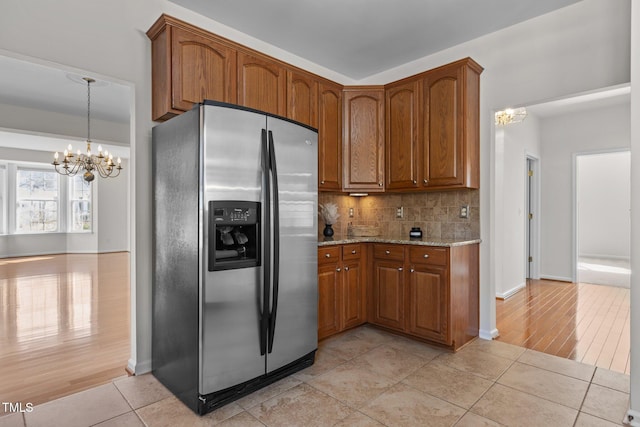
[
  {"x": 530, "y": 172},
  {"x": 530, "y": 259},
  {"x": 530, "y": 216}
]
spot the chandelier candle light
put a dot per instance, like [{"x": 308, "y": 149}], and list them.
[{"x": 102, "y": 163}]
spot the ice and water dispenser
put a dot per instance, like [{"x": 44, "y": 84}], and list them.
[{"x": 234, "y": 235}]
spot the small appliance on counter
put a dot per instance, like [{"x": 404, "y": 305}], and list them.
[{"x": 415, "y": 233}]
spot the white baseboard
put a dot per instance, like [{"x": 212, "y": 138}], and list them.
[
  {"x": 488, "y": 335},
  {"x": 556, "y": 278},
  {"x": 632, "y": 418},
  {"x": 605, "y": 256},
  {"x": 140, "y": 367},
  {"x": 507, "y": 294}
]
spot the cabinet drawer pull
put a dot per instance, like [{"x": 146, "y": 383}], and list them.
[
  {"x": 387, "y": 252},
  {"x": 426, "y": 181},
  {"x": 327, "y": 255},
  {"x": 346, "y": 269},
  {"x": 412, "y": 270},
  {"x": 353, "y": 251},
  {"x": 338, "y": 269},
  {"x": 425, "y": 256},
  {"x": 322, "y": 182},
  {"x": 400, "y": 268},
  {"x": 415, "y": 182}
]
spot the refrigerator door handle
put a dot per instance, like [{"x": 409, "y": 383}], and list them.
[
  {"x": 276, "y": 240},
  {"x": 266, "y": 185}
]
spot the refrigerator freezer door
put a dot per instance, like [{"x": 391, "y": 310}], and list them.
[
  {"x": 231, "y": 311},
  {"x": 296, "y": 322}
]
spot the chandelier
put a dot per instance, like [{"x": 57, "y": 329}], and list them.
[
  {"x": 101, "y": 163},
  {"x": 510, "y": 115}
]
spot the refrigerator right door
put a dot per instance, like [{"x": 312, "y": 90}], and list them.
[{"x": 294, "y": 333}]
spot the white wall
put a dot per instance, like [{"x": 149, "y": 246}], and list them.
[
  {"x": 110, "y": 221},
  {"x": 603, "y": 203},
  {"x": 562, "y": 137},
  {"x": 578, "y": 48},
  {"x": 518, "y": 140}
]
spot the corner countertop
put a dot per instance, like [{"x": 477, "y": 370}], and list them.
[{"x": 402, "y": 240}]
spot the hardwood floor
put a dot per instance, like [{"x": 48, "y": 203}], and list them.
[
  {"x": 583, "y": 322},
  {"x": 64, "y": 324}
]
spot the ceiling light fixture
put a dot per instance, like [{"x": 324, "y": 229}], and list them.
[
  {"x": 102, "y": 163},
  {"x": 510, "y": 115}
]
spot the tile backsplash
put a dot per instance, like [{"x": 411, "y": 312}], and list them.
[{"x": 436, "y": 213}]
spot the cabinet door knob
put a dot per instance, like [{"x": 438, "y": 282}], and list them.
[
  {"x": 387, "y": 252},
  {"x": 322, "y": 182},
  {"x": 353, "y": 251},
  {"x": 327, "y": 255},
  {"x": 379, "y": 184},
  {"x": 426, "y": 181},
  {"x": 412, "y": 270},
  {"x": 346, "y": 269},
  {"x": 415, "y": 182},
  {"x": 400, "y": 268},
  {"x": 338, "y": 269},
  {"x": 425, "y": 256}
]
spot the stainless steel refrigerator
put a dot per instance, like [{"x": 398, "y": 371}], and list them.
[{"x": 235, "y": 252}]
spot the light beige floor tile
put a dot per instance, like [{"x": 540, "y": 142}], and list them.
[
  {"x": 325, "y": 361},
  {"x": 171, "y": 412},
  {"x": 586, "y": 420},
  {"x": 373, "y": 335},
  {"x": 390, "y": 362},
  {"x": 142, "y": 390},
  {"x": 243, "y": 419},
  {"x": 615, "y": 380},
  {"x": 606, "y": 403},
  {"x": 81, "y": 409},
  {"x": 352, "y": 384},
  {"x": 457, "y": 387},
  {"x": 548, "y": 385},
  {"x": 515, "y": 408},
  {"x": 558, "y": 364},
  {"x": 130, "y": 419},
  {"x": 358, "y": 419},
  {"x": 302, "y": 405},
  {"x": 405, "y": 406},
  {"x": 473, "y": 420},
  {"x": 268, "y": 392},
  {"x": 348, "y": 345},
  {"x": 11, "y": 420},
  {"x": 498, "y": 348},
  {"x": 476, "y": 362},
  {"x": 414, "y": 347}
]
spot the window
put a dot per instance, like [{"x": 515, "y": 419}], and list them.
[
  {"x": 36, "y": 201},
  {"x": 80, "y": 204}
]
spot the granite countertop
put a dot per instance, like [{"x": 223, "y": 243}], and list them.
[{"x": 403, "y": 240}]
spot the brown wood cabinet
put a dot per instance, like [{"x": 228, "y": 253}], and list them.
[
  {"x": 427, "y": 292},
  {"x": 363, "y": 139},
  {"x": 450, "y": 119},
  {"x": 188, "y": 66},
  {"x": 403, "y": 111},
  {"x": 302, "y": 97},
  {"x": 341, "y": 289},
  {"x": 329, "y": 136},
  {"x": 262, "y": 83}
]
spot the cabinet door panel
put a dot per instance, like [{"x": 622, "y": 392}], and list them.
[
  {"x": 261, "y": 84},
  {"x": 428, "y": 303},
  {"x": 328, "y": 300},
  {"x": 329, "y": 137},
  {"x": 443, "y": 160},
  {"x": 401, "y": 144},
  {"x": 388, "y": 294},
  {"x": 202, "y": 69},
  {"x": 302, "y": 98},
  {"x": 353, "y": 301},
  {"x": 364, "y": 140}
]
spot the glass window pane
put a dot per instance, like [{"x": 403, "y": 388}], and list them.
[
  {"x": 36, "y": 201},
  {"x": 36, "y": 216},
  {"x": 80, "y": 205}
]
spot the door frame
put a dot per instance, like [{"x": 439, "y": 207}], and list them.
[{"x": 532, "y": 227}]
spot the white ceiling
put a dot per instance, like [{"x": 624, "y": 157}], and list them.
[{"x": 359, "y": 38}]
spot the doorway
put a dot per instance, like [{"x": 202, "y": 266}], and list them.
[
  {"x": 532, "y": 217},
  {"x": 602, "y": 218}
]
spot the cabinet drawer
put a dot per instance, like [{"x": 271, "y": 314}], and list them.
[
  {"x": 351, "y": 252},
  {"x": 329, "y": 254},
  {"x": 388, "y": 252},
  {"x": 428, "y": 255}
]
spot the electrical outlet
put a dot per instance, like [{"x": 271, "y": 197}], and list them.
[
  {"x": 464, "y": 211},
  {"x": 350, "y": 212},
  {"x": 400, "y": 212}
]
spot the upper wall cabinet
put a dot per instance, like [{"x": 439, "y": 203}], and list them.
[
  {"x": 188, "y": 66},
  {"x": 363, "y": 139},
  {"x": 402, "y": 110},
  {"x": 450, "y": 119},
  {"x": 262, "y": 84},
  {"x": 302, "y": 97},
  {"x": 329, "y": 136}
]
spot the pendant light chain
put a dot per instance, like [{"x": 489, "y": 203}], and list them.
[{"x": 89, "y": 81}]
